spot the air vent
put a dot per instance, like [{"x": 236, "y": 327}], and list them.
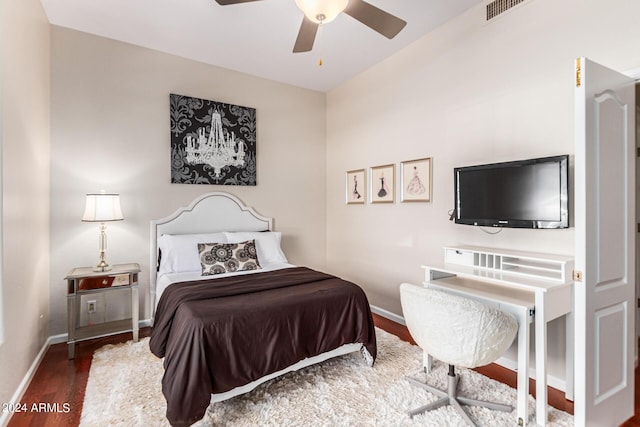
[{"x": 497, "y": 7}]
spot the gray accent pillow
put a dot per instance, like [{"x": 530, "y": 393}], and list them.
[{"x": 219, "y": 258}]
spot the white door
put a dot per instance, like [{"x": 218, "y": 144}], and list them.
[
  {"x": 636, "y": 76},
  {"x": 604, "y": 245}
]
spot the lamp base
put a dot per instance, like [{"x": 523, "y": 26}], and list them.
[{"x": 102, "y": 267}]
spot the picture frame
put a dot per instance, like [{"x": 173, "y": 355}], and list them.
[
  {"x": 212, "y": 142},
  {"x": 416, "y": 180},
  {"x": 356, "y": 187},
  {"x": 382, "y": 184}
]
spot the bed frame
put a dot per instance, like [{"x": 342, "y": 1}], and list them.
[{"x": 210, "y": 213}]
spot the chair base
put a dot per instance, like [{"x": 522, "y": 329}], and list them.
[{"x": 450, "y": 397}]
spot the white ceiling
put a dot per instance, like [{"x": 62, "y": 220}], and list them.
[{"x": 255, "y": 38}]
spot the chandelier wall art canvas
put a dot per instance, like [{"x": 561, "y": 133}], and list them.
[{"x": 212, "y": 142}]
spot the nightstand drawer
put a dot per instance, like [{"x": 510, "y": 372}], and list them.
[{"x": 89, "y": 283}]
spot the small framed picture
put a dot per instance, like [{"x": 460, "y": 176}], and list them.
[
  {"x": 415, "y": 180},
  {"x": 382, "y": 184},
  {"x": 356, "y": 185}
]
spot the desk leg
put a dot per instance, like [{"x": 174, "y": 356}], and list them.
[
  {"x": 135, "y": 312},
  {"x": 569, "y": 360},
  {"x": 541, "y": 360},
  {"x": 524, "y": 331}
]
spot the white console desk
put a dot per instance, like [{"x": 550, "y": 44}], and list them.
[{"x": 531, "y": 286}]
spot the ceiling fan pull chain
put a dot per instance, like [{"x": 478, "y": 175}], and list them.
[{"x": 321, "y": 18}]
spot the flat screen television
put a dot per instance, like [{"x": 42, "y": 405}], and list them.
[{"x": 532, "y": 193}]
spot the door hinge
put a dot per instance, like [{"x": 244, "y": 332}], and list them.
[
  {"x": 578, "y": 74},
  {"x": 577, "y": 276}
]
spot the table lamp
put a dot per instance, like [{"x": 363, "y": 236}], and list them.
[{"x": 102, "y": 207}]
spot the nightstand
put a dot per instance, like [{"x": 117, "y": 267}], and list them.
[{"x": 83, "y": 281}]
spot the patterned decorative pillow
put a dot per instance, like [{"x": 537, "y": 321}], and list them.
[{"x": 218, "y": 258}]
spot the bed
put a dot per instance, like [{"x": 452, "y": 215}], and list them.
[{"x": 226, "y": 332}]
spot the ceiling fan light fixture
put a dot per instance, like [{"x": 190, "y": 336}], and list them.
[{"x": 321, "y": 11}]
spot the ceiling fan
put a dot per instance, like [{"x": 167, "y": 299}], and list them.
[{"x": 317, "y": 12}]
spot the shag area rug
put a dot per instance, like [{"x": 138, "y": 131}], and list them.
[{"x": 124, "y": 390}]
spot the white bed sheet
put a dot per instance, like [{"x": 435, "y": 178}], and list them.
[{"x": 164, "y": 280}]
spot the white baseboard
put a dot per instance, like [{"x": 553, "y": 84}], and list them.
[
  {"x": 553, "y": 381},
  {"x": 58, "y": 339},
  {"x": 388, "y": 315},
  {"x": 24, "y": 384}
]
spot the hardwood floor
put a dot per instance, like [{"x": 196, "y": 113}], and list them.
[{"x": 61, "y": 381}]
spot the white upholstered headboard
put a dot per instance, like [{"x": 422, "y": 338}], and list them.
[{"x": 208, "y": 213}]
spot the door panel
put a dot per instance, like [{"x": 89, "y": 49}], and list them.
[
  {"x": 605, "y": 245},
  {"x": 610, "y": 115},
  {"x": 611, "y": 375}
]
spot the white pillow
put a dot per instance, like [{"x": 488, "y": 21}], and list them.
[
  {"x": 179, "y": 252},
  {"x": 267, "y": 244}
]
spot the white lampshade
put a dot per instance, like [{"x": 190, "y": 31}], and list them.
[
  {"x": 102, "y": 207},
  {"x": 322, "y": 11}
]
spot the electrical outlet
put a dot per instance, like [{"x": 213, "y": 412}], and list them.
[{"x": 91, "y": 306}]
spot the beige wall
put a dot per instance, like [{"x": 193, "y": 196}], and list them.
[
  {"x": 468, "y": 93},
  {"x": 25, "y": 90},
  {"x": 110, "y": 130}
]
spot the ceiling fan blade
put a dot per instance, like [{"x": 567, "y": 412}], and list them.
[
  {"x": 228, "y": 2},
  {"x": 306, "y": 36},
  {"x": 375, "y": 18}
]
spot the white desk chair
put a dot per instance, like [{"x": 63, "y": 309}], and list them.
[{"x": 457, "y": 331}]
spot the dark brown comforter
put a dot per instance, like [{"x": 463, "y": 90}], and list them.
[{"x": 218, "y": 334}]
